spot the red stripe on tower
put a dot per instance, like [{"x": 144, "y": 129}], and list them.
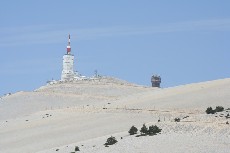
[
  {"x": 68, "y": 49},
  {"x": 68, "y": 46}
]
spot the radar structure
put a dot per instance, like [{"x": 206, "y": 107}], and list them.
[{"x": 156, "y": 81}]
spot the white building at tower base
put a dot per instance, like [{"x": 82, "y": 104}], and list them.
[{"x": 68, "y": 71}]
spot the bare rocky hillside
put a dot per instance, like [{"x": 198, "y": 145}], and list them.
[{"x": 85, "y": 113}]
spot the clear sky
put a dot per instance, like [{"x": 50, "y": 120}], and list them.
[{"x": 183, "y": 41}]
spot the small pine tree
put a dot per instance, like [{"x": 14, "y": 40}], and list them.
[
  {"x": 133, "y": 130},
  {"x": 154, "y": 130},
  {"x": 110, "y": 141},
  {"x": 144, "y": 129},
  {"x": 77, "y": 148}
]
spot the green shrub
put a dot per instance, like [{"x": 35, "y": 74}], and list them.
[
  {"x": 77, "y": 148},
  {"x": 133, "y": 130},
  {"x": 209, "y": 110},
  {"x": 144, "y": 130},
  {"x": 177, "y": 119},
  {"x": 110, "y": 141},
  {"x": 154, "y": 130},
  {"x": 219, "y": 109}
]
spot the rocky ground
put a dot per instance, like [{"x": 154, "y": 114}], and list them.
[{"x": 58, "y": 117}]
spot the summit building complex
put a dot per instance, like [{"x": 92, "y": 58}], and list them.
[{"x": 68, "y": 73}]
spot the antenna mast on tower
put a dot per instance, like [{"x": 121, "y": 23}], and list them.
[{"x": 68, "y": 46}]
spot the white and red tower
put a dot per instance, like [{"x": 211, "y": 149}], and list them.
[
  {"x": 68, "y": 65},
  {"x": 68, "y": 46}
]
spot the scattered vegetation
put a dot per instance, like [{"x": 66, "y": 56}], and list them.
[
  {"x": 219, "y": 109},
  {"x": 177, "y": 119},
  {"x": 110, "y": 141},
  {"x": 209, "y": 110},
  {"x": 144, "y": 130},
  {"x": 133, "y": 130},
  {"x": 185, "y": 117},
  {"x": 77, "y": 148},
  {"x": 153, "y": 130}
]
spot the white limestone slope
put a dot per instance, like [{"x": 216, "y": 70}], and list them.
[
  {"x": 191, "y": 96},
  {"x": 87, "y": 112},
  {"x": 64, "y": 95}
]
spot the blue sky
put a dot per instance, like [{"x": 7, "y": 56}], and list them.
[{"x": 183, "y": 41}]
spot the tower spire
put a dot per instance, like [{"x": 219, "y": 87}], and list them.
[{"x": 68, "y": 46}]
